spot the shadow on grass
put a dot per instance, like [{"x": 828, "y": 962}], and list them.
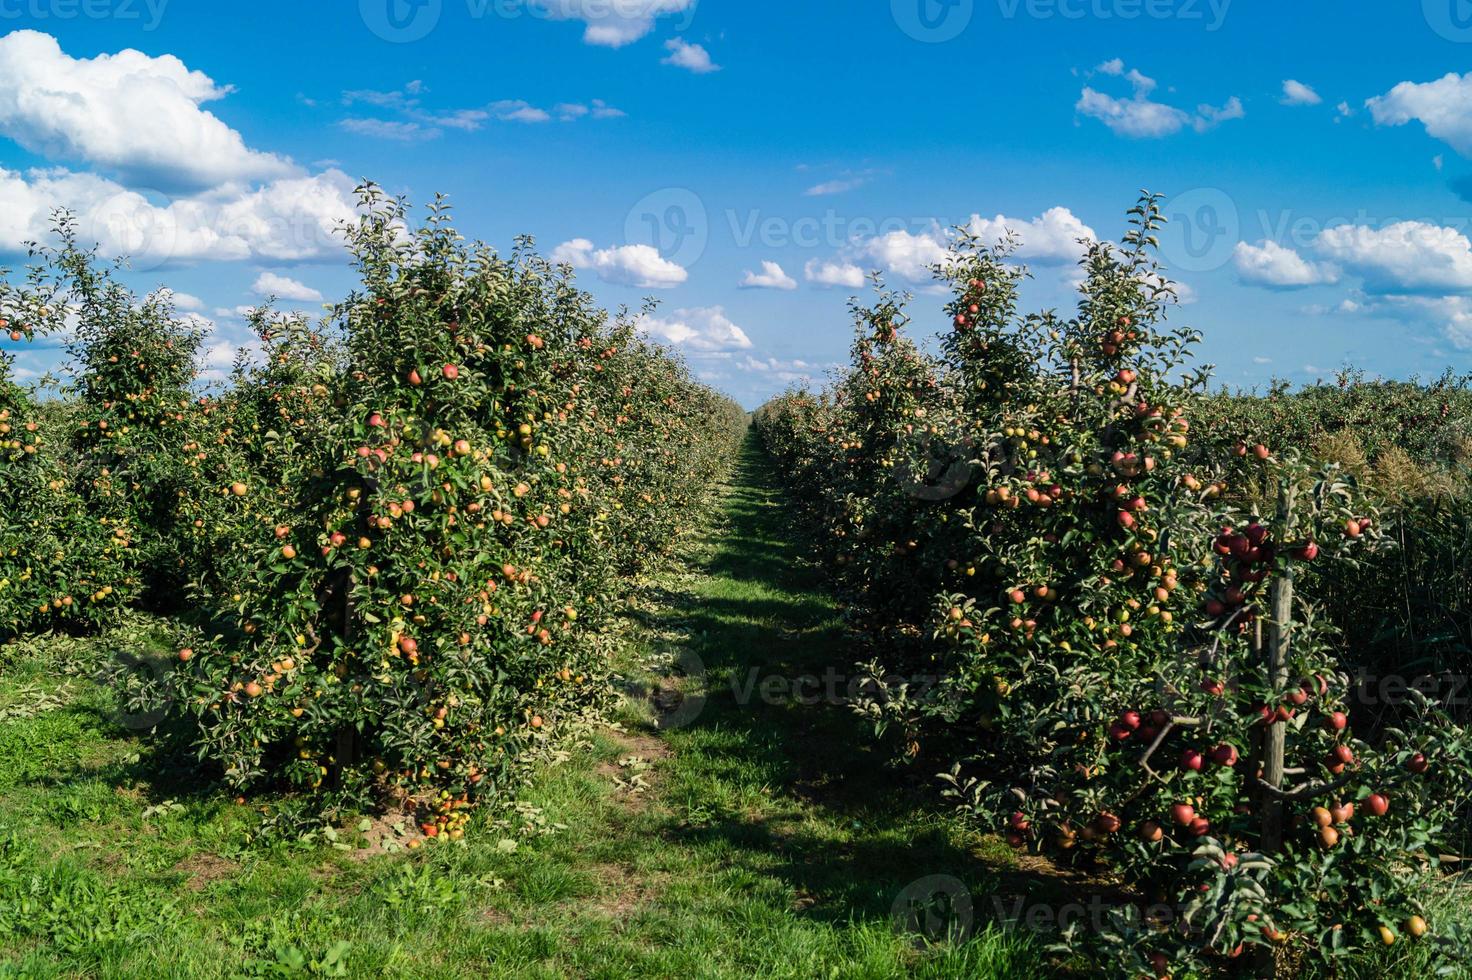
[{"x": 847, "y": 833}]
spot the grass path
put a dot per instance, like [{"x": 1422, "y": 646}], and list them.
[{"x": 752, "y": 835}]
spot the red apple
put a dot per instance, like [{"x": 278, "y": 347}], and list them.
[{"x": 1224, "y": 755}]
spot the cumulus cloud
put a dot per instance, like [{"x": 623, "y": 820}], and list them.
[
  {"x": 284, "y": 287},
  {"x": 1297, "y": 93},
  {"x": 294, "y": 219},
  {"x": 1443, "y": 107},
  {"x": 627, "y": 265},
  {"x": 908, "y": 255},
  {"x": 834, "y": 272},
  {"x": 1405, "y": 257},
  {"x": 1278, "y": 267},
  {"x": 1140, "y": 116},
  {"x": 691, "y": 57},
  {"x": 1052, "y": 238},
  {"x": 184, "y": 301},
  {"x": 132, "y": 115},
  {"x": 614, "y": 24},
  {"x": 703, "y": 330},
  {"x": 771, "y": 277}
]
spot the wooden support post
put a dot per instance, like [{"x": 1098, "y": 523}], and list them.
[{"x": 1279, "y": 641}]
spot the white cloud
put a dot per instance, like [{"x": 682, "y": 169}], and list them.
[
  {"x": 295, "y": 219},
  {"x": 1444, "y": 107},
  {"x": 1453, "y": 314},
  {"x": 1297, "y": 93},
  {"x": 628, "y": 265},
  {"x": 847, "y": 181},
  {"x": 284, "y": 287},
  {"x": 834, "y": 273},
  {"x": 515, "y": 110},
  {"x": 184, "y": 301},
  {"x": 130, "y": 114},
  {"x": 389, "y": 129},
  {"x": 1052, "y": 238},
  {"x": 415, "y": 123},
  {"x": 836, "y": 186},
  {"x": 702, "y": 330},
  {"x": 1140, "y": 117},
  {"x": 1277, "y": 267},
  {"x": 691, "y": 57},
  {"x": 614, "y": 23},
  {"x": 1406, "y": 257},
  {"x": 1208, "y": 116},
  {"x": 784, "y": 372},
  {"x": 771, "y": 277},
  {"x": 910, "y": 256}
]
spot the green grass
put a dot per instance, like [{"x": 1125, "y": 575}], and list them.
[{"x": 758, "y": 839}]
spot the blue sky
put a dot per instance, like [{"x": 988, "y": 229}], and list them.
[{"x": 746, "y": 162}]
